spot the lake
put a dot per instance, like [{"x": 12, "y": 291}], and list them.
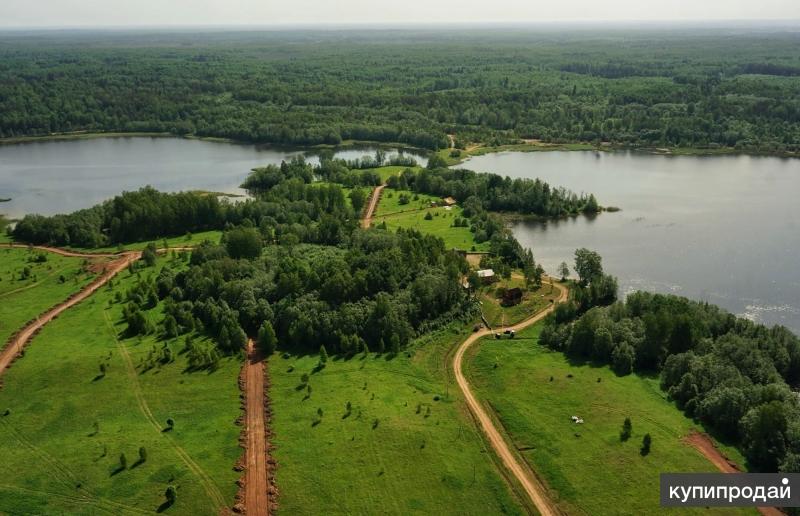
[
  {"x": 723, "y": 229},
  {"x": 50, "y": 177}
]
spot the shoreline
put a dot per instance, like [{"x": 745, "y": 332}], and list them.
[
  {"x": 85, "y": 135},
  {"x": 477, "y": 150}
]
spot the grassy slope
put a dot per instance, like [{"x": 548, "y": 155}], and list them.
[
  {"x": 411, "y": 463},
  {"x": 179, "y": 241},
  {"x": 18, "y": 306},
  {"x": 46, "y": 442},
  {"x": 390, "y": 202},
  {"x": 532, "y": 302},
  {"x": 459, "y": 238},
  {"x": 594, "y": 473}
]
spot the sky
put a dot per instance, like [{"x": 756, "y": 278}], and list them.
[{"x": 120, "y": 13}]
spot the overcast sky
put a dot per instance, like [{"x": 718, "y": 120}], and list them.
[{"x": 94, "y": 13}]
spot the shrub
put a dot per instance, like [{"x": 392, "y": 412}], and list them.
[
  {"x": 646, "y": 441},
  {"x": 171, "y": 494},
  {"x": 627, "y": 428}
]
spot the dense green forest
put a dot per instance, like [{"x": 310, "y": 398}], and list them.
[
  {"x": 694, "y": 88},
  {"x": 733, "y": 374},
  {"x": 375, "y": 291}
]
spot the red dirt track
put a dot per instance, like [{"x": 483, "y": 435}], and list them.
[
  {"x": 18, "y": 342},
  {"x": 256, "y": 499},
  {"x": 373, "y": 203},
  {"x": 705, "y": 446},
  {"x": 534, "y": 489}
]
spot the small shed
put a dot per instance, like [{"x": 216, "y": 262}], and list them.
[
  {"x": 449, "y": 201},
  {"x": 486, "y": 275}
]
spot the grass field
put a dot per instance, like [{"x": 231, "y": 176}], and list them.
[
  {"x": 392, "y": 170},
  {"x": 589, "y": 469},
  {"x": 406, "y": 447},
  {"x": 63, "y": 426},
  {"x": 189, "y": 240},
  {"x": 22, "y": 298},
  {"x": 440, "y": 225},
  {"x": 390, "y": 202},
  {"x": 533, "y": 301}
]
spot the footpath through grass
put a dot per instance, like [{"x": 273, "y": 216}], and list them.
[
  {"x": 64, "y": 424},
  {"x": 29, "y": 287},
  {"x": 534, "y": 392},
  {"x": 405, "y": 445}
]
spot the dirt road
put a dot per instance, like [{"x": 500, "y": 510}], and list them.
[
  {"x": 256, "y": 500},
  {"x": 533, "y": 487},
  {"x": 705, "y": 446},
  {"x": 62, "y": 252},
  {"x": 18, "y": 342},
  {"x": 373, "y": 203}
]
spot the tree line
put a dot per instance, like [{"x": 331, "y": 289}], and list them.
[{"x": 492, "y": 192}]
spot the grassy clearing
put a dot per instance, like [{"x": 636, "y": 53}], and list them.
[
  {"x": 440, "y": 225},
  {"x": 188, "y": 240},
  {"x": 24, "y": 296},
  {"x": 390, "y": 202},
  {"x": 532, "y": 301},
  {"x": 392, "y": 170},
  {"x": 399, "y": 451},
  {"x": 514, "y": 377},
  {"x": 67, "y": 425}
]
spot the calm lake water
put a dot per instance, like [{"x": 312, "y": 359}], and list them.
[
  {"x": 723, "y": 229},
  {"x": 62, "y": 176}
]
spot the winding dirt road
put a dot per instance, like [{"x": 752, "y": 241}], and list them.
[
  {"x": 532, "y": 486},
  {"x": 256, "y": 499},
  {"x": 366, "y": 222},
  {"x": 18, "y": 342}
]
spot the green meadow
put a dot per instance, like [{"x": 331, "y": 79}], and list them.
[
  {"x": 64, "y": 424},
  {"x": 391, "y": 170},
  {"x": 187, "y": 240},
  {"x": 534, "y": 392},
  {"x": 405, "y": 445},
  {"x": 533, "y": 301},
  {"x": 29, "y": 287},
  {"x": 441, "y": 225},
  {"x": 390, "y": 202}
]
